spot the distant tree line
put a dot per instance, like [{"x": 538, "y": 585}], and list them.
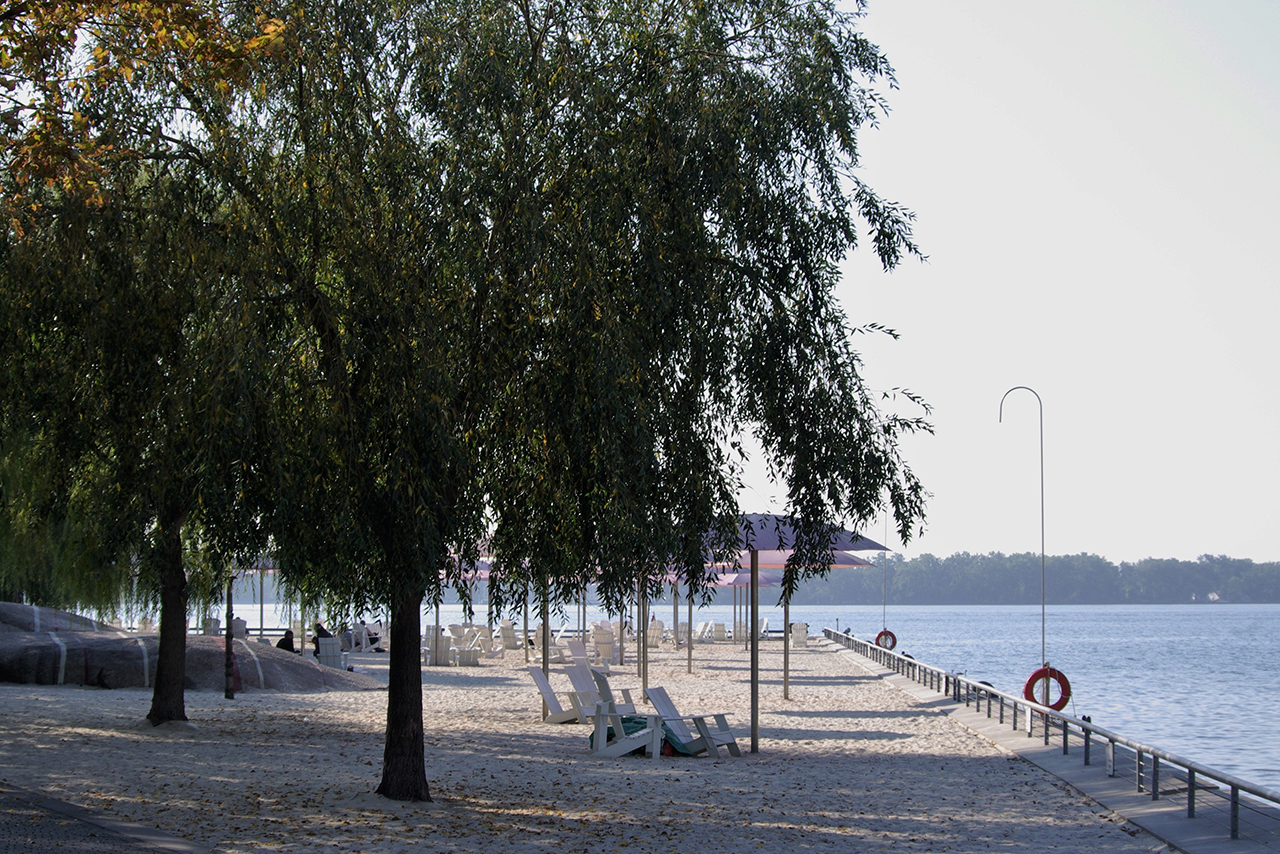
[{"x": 1083, "y": 579}]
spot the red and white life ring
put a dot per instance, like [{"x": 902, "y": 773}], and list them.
[
  {"x": 886, "y": 639},
  {"x": 1032, "y": 691}
]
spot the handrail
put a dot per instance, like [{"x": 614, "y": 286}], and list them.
[{"x": 953, "y": 684}]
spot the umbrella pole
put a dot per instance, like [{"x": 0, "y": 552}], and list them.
[
  {"x": 786, "y": 649},
  {"x": 755, "y": 652},
  {"x": 689, "y": 639},
  {"x": 675, "y": 612},
  {"x": 526, "y": 623},
  {"x": 644, "y": 639}
]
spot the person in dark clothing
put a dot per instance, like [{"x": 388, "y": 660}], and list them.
[
  {"x": 321, "y": 632},
  {"x": 286, "y": 642}
]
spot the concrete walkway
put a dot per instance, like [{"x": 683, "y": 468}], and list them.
[
  {"x": 1165, "y": 818},
  {"x": 33, "y": 824}
]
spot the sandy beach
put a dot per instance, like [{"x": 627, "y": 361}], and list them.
[{"x": 848, "y": 764}]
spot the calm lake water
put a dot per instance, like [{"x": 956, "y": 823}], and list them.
[{"x": 1197, "y": 680}]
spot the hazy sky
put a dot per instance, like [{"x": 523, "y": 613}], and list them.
[{"x": 1098, "y": 191}]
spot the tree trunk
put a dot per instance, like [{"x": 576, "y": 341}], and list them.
[
  {"x": 168, "y": 700},
  {"x": 404, "y": 770}
]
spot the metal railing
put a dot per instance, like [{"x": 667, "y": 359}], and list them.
[{"x": 1147, "y": 762}]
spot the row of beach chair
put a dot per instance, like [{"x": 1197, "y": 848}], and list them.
[{"x": 621, "y": 728}]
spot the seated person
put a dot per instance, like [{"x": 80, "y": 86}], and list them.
[
  {"x": 286, "y": 642},
  {"x": 373, "y": 641},
  {"x": 348, "y": 639},
  {"x": 321, "y": 632}
]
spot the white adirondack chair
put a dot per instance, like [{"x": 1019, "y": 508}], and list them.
[
  {"x": 708, "y": 740},
  {"x": 556, "y": 713},
  {"x": 609, "y": 723},
  {"x": 799, "y": 634},
  {"x": 655, "y": 632},
  {"x": 509, "y": 639}
]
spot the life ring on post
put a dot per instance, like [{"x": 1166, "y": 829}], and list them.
[
  {"x": 1031, "y": 691},
  {"x": 886, "y": 639}
]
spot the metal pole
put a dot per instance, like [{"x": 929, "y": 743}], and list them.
[
  {"x": 755, "y": 651},
  {"x": 1043, "y": 657},
  {"x": 690, "y": 638},
  {"x": 786, "y": 649},
  {"x": 229, "y": 689}
]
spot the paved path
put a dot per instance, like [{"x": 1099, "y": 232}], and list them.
[
  {"x": 34, "y": 824},
  {"x": 1164, "y": 818}
]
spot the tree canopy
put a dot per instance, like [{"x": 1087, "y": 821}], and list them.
[{"x": 521, "y": 274}]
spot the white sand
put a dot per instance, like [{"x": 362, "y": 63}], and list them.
[{"x": 849, "y": 764}]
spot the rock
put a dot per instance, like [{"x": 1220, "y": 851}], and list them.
[{"x": 111, "y": 658}]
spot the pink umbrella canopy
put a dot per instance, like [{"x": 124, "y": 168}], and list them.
[{"x": 777, "y": 559}]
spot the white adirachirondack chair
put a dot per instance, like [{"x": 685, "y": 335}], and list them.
[
  {"x": 588, "y": 691},
  {"x": 655, "y": 633},
  {"x": 555, "y": 655},
  {"x": 708, "y": 740},
  {"x": 626, "y": 705},
  {"x": 556, "y": 713},
  {"x": 602, "y": 640},
  {"x": 611, "y": 738},
  {"x": 509, "y": 639},
  {"x": 329, "y": 653},
  {"x": 799, "y": 634}
]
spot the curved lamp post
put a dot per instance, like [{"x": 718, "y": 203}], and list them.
[{"x": 1041, "y": 404}]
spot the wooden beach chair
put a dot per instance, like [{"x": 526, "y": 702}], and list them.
[
  {"x": 799, "y": 634},
  {"x": 611, "y": 738},
  {"x": 509, "y": 639},
  {"x": 655, "y": 632},
  {"x": 587, "y": 691},
  {"x": 601, "y": 682},
  {"x": 556, "y": 713},
  {"x": 708, "y": 740}
]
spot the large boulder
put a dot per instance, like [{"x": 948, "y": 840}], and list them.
[
  {"x": 111, "y": 658},
  {"x": 33, "y": 618}
]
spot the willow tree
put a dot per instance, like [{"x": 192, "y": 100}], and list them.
[
  {"x": 128, "y": 383},
  {"x": 540, "y": 267},
  {"x": 698, "y": 181}
]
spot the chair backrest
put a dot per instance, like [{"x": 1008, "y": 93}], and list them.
[
  {"x": 577, "y": 649},
  {"x": 544, "y": 688},
  {"x": 764, "y": 627},
  {"x": 717, "y": 630},
  {"x": 662, "y": 705},
  {"x": 602, "y": 686},
  {"x": 560, "y": 634},
  {"x": 655, "y": 632},
  {"x": 583, "y": 685}
]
